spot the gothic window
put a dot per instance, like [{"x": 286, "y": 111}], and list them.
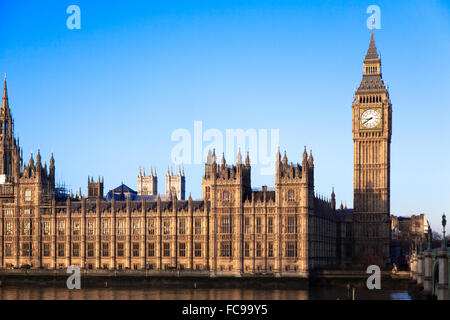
[
  {"x": 27, "y": 211},
  {"x": 136, "y": 228},
  {"x": 291, "y": 195},
  {"x": 120, "y": 227},
  {"x": 9, "y": 212},
  {"x": 291, "y": 249},
  {"x": 258, "y": 224},
  {"x": 105, "y": 227},
  {"x": 26, "y": 228},
  {"x": 46, "y": 250},
  {"x": 60, "y": 249},
  {"x": 166, "y": 227},
  {"x": 120, "y": 249},
  {"x": 225, "y": 226},
  {"x": 151, "y": 249},
  {"x": 226, "y": 196},
  {"x": 27, "y": 195},
  {"x": 182, "y": 249},
  {"x": 246, "y": 249},
  {"x": 76, "y": 228},
  {"x": 270, "y": 249},
  {"x": 76, "y": 249},
  {"x": 269, "y": 225},
  {"x": 90, "y": 228},
  {"x": 198, "y": 226},
  {"x": 8, "y": 249},
  {"x": 151, "y": 226},
  {"x": 182, "y": 226},
  {"x": 166, "y": 249},
  {"x": 61, "y": 226},
  {"x": 90, "y": 250},
  {"x": 258, "y": 249},
  {"x": 198, "y": 249},
  {"x": 247, "y": 225},
  {"x": 9, "y": 228},
  {"x": 225, "y": 249},
  {"x": 135, "y": 249},
  {"x": 46, "y": 229},
  {"x": 291, "y": 224}
]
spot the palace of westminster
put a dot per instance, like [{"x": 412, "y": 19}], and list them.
[{"x": 235, "y": 230}]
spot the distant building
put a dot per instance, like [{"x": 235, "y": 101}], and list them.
[
  {"x": 121, "y": 193},
  {"x": 175, "y": 184},
  {"x": 409, "y": 228},
  {"x": 147, "y": 185}
]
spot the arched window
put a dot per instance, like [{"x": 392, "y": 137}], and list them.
[
  {"x": 226, "y": 196},
  {"x": 291, "y": 195}
]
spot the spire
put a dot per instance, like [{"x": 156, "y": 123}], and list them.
[
  {"x": 278, "y": 154},
  {"x": 209, "y": 157},
  {"x": 140, "y": 171},
  {"x": 247, "y": 160},
  {"x": 5, "y": 103},
  {"x": 214, "y": 156},
  {"x": 311, "y": 159},
  {"x": 285, "y": 158},
  {"x": 223, "y": 159},
  {"x": 239, "y": 157},
  {"x": 372, "y": 53}
]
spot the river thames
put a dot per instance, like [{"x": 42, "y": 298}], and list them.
[{"x": 316, "y": 293}]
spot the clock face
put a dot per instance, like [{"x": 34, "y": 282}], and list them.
[{"x": 370, "y": 119}]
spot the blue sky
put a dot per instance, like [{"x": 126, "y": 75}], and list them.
[{"x": 106, "y": 98}]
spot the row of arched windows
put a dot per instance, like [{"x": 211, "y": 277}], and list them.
[
  {"x": 369, "y": 99},
  {"x": 371, "y": 69}
]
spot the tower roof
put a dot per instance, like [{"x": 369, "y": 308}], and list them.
[{"x": 372, "y": 53}]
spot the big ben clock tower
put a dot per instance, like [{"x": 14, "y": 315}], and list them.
[{"x": 372, "y": 129}]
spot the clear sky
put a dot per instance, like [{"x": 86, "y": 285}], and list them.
[{"x": 106, "y": 98}]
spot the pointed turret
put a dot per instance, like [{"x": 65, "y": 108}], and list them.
[
  {"x": 333, "y": 200},
  {"x": 285, "y": 158},
  {"x": 239, "y": 157},
  {"x": 247, "y": 160},
  {"x": 311, "y": 159},
  {"x": 214, "y": 156},
  {"x": 223, "y": 159},
  {"x": 38, "y": 160},
  {"x": 5, "y": 104}
]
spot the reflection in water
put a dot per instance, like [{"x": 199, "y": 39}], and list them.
[{"x": 51, "y": 293}]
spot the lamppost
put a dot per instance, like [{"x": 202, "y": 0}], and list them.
[{"x": 444, "y": 222}]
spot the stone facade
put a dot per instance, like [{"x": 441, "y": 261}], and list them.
[
  {"x": 372, "y": 130},
  {"x": 234, "y": 229}
]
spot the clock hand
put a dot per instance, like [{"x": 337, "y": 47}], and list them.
[{"x": 367, "y": 120}]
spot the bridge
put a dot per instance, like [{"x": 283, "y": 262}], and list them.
[{"x": 430, "y": 268}]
